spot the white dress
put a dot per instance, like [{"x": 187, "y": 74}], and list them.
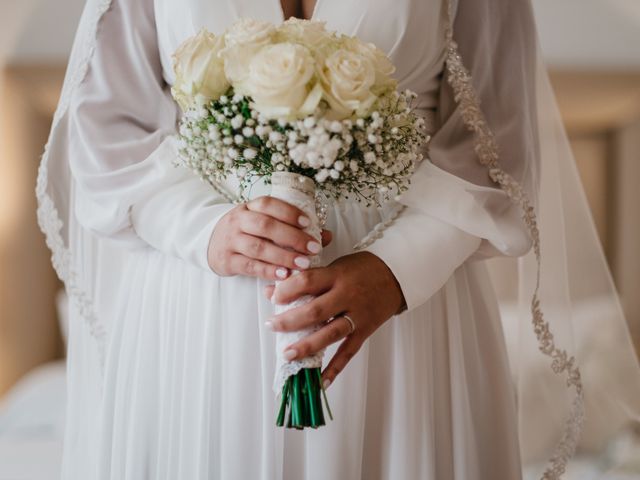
[{"x": 183, "y": 390}]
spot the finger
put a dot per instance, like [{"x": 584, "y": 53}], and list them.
[
  {"x": 250, "y": 267},
  {"x": 310, "y": 282},
  {"x": 318, "y": 310},
  {"x": 327, "y": 236},
  {"x": 268, "y": 291},
  {"x": 265, "y": 251},
  {"x": 331, "y": 333},
  {"x": 280, "y": 233},
  {"x": 346, "y": 351},
  {"x": 279, "y": 209}
]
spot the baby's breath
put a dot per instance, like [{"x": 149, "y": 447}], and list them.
[{"x": 369, "y": 159}]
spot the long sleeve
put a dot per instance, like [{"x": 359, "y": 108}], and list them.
[
  {"x": 454, "y": 210},
  {"x": 123, "y": 119}
]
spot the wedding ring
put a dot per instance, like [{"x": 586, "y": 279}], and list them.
[
  {"x": 352, "y": 324},
  {"x": 329, "y": 320}
]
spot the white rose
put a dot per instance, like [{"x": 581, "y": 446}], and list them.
[
  {"x": 248, "y": 31},
  {"x": 243, "y": 40},
  {"x": 347, "y": 78},
  {"x": 198, "y": 69},
  {"x": 381, "y": 63},
  {"x": 278, "y": 81},
  {"x": 310, "y": 33}
]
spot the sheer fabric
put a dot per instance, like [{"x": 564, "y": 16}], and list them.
[
  {"x": 525, "y": 150},
  {"x": 490, "y": 171}
]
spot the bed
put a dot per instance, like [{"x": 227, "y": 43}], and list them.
[{"x": 32, "y": 424}]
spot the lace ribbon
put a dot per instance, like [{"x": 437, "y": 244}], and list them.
[{"x": 300, "y": 192}]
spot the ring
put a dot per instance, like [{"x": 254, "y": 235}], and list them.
[{"x": 351, "y": 322}]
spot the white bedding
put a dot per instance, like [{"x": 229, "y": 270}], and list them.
[
  {"x": 32, "y": 425},
  {"x": 30, "y": 459}
]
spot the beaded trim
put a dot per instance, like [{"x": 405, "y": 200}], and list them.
[
  {"x": 378, "y": 230},
  {"x": 223, "y": 191},
  {"x": 486, "y": 149}
]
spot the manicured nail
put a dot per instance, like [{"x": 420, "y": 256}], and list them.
[
  {"x": 282, "y": 272},
  {"x": 326, "y": 383},
  {"x": 290, "y": 354},
  {"x": 302, "y": 262},
  {"x": 304, "y": 221},
  {"x": 314, "y": 247},
  {"x": 269, "y": 325}
]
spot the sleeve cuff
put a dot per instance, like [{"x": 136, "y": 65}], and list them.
[
  {"x": 422, "y": 252},
  {"x": 197, "y": 251},
  {"x": 180, "y": 220},
  {"x": 483, "y": 212},
  {"x": 178, "y": 212}
]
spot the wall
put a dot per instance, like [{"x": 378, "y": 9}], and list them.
[
  {"x": 626, "y": 240},
  {"x": 28, "y": 327},
  {"x": 585, "y": 34}
]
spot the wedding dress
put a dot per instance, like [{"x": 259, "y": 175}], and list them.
[{"x": 170, "y": 366}]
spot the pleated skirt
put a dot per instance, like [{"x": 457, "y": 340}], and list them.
[{"x": 185, "y": 390}]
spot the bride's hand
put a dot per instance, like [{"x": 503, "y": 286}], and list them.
[
  {"x": 263, "y": 238},
  {"x": 358, "y": 285}
]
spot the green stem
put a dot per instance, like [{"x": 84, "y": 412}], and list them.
[{"x": 301, "y": 402}]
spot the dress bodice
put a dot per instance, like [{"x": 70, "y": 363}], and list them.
[{"x": 411, "y": 32}]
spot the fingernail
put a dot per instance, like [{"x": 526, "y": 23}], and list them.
[
  {"x": 326, "y": 383},
  {"x": 282, "y": 272},
  {"x": 302, "y": 262},
  {"x": 290, "y": 354},
  {"x": 269, "y": 325},
  {"x": 314, "y": 247},
  {"x": 304, "y": 221}
]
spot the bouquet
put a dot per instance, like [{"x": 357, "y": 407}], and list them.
[{"x": 313, "y": 112}]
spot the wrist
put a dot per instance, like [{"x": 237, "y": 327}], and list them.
[{"x": 392, "y": 284}]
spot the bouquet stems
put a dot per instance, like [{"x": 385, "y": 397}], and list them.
[
  {"x": 299, "y": 382},
  {"x": 301, "y": 402}
]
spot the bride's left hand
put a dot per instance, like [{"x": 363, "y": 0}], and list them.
[{"x": 359, "y": 285}]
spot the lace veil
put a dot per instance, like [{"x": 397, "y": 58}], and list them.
[
  {"x": 576, "y": 369},
  {"x": 501, "y": 138}
]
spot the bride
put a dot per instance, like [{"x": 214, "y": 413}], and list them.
[{"x": 171, "y": 353}]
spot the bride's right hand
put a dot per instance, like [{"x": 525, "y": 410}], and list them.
[{"x": 263, "y": 238}]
